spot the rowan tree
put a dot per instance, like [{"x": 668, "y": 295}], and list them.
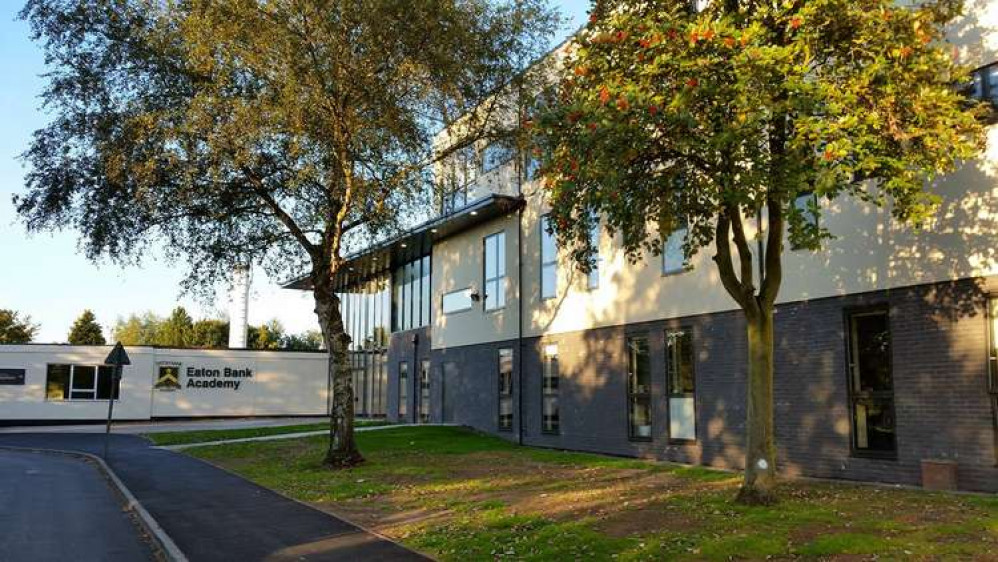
[
  {"x": 277, "y": 132},
  {"x": 86, "y": 330},
  {"x": 664, "y": 117}
]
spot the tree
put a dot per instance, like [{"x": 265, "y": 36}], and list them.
[
  {"x": 86, "y": 330},
  {"x": 266, "y": 336},
  {"x": 177, "y": 330},
  {"x": 16, "y": 329},
  {"x": 665, "y": 119},
  {"x": 210, "y": 333},
  {"x": 260, "y": 130},
  {"x": 137, "y": 330},
  {"x": 307, "y": 341}
]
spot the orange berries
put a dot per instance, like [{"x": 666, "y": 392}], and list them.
[
  {"x": 729, "y": 42},
  {"x": 692, "y": 82},
  {"x": 795, "y": 22},
  {"x": 652, "y": 110},
  {"x": 604, "y": 95},
  {"x": 623, "y": 104}
]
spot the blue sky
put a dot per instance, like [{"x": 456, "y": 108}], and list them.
[{"x": 43, "y": 275}]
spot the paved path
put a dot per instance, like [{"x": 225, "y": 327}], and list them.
[
  {"x": 169, "y": 425},
  {"x": 59, "y": 507},
  {"x": 299, "y": 435},
  {"x": 213, "y": 515}
]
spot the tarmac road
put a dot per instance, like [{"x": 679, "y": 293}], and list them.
[{"x": 59, "y": 507}]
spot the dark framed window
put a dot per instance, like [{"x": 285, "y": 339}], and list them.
[
  {"x": 681, "y": 385},
  {"x": 80, "y": 382},
  {"x": 403, "y": 389},
  {"x": 549, "y": 261},
  {"x": 638, "y": 389},
  {"x": 424, "y": 391},
  {"x": 985, "y": 85},
  {"x": 505, "y": 389},
  {"x": 993, "y": 364},
  {"x": 495, "y": 271},
  {"x": 871, "y": 383},
  {"x": 550, "y": 382},
  {"x": 412, "y": 285}
]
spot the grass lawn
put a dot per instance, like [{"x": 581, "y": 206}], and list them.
[
  {"x": 185, "y": 437},
  {"x": 457, "y": 495}
]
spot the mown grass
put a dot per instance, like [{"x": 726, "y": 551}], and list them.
[
  {"x": 458, "y": 495},
  {"x": 203, "y": 436}
]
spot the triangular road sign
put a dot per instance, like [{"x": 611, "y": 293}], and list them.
[{"x": 117, "y": 356}]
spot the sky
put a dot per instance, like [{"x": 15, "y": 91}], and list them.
[{"x": 44, "y": 276}]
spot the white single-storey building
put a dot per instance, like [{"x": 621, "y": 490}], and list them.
[{"x": 47, "y": 383}]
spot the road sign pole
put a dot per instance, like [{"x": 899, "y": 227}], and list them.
[{"x": 110, "y": 407}]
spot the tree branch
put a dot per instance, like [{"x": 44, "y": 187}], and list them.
[
  {"x": 774, "y": 253},
  {"x": 744, "y": 251},
  {"x": 725, "y": 267},
  {"x": 280, "y": 213}
]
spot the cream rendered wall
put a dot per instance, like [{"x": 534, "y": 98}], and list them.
[
  {"x": 458, "y": 263},
  {"x": 28, "y": 402},
  {"x": 283, "y": 383}
]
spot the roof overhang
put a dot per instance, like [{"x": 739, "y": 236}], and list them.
[{"x": 415, "y": 243}]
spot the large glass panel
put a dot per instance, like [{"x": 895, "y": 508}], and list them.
[
  {"x": 681, "y": 381},
  {"x": 871, "y": 383},
  {"x": 639, "y": 388},
  {"x": 505, "y": 389},
  {"x": 424, "y": 298},
  {"x": 57, "y": 382},
  {"x": 495, "y": 271},
  {"x": 550, "y": 414},
  {"x": 457, "y": 301}
]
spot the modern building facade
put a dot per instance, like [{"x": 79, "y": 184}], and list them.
[{"x": 886, "y": 339}]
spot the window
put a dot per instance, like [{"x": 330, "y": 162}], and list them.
[
  {"x": 495, "y": 271},
  {"x": 871, "y": 383},
  {"x": 457, "y": 301},
  {"x": 993, "y": 364},
  {"x": 403, "y": 389},
  {"x": 505, "y": 389},
  {"x": 495, "y": 155},
  {"x": 80, "y": 382},
  {"x": 549, "y": 261},
  {"x": 531, "y": 168},
  {"x": 412, "y": 282},
  {"x": 673, "y": 260},
  {"x": 424, "y": 391},
  {"x": 550, "y": 418},
  {"x": 985, "y": 86},
  {"x": 638, "y": 388},
  {"x": 681, "y": 379},
  {"x": 592, "y": 282},
  {"x": 807, "y": 203}
]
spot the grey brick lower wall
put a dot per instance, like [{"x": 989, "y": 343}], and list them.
[{"x": 943, "y": 409}]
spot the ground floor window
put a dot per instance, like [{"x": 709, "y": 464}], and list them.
[
  {"x": 505, "y": 389},
  {"x": 424, "y": 391},
  {"x": 638, "y": 388},
  {"x": 871, "y": 383},
  {"x": 80, "y": 382},
  {"x": 681, "y": 384},
  {"x": 993, "y": 364},
  {"x": 403, "y": 389},
  {"x": 550, "y": 415}
]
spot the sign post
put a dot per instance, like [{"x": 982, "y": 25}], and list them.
[{"x": 117, "y": 358}]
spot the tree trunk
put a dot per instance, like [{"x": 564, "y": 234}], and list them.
[
  {"x": 343, "y": 450},
  {"x": 760, "y": 452}
]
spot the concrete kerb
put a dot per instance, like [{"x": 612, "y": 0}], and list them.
[
  {"x": 161, "y": 541},
  {"x": 278, "y": 436}
]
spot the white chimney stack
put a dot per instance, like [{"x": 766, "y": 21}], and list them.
[{"x": 239, "y": 307}]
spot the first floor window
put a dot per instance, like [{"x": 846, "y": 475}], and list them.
[
  {"x": 673, "y": 259},
  {"x": 681, "y": 380},
  {"x": 424, "y": 391},
  {"x": 871, "y": 383},
  {"x": 638, "y": 388},
  {"x": 505, "y": 389},
  {"x": 549, "y": 261},
  {"x": 550, "y": 416},
  {"x": 403, "y": 388},
  {"x": 993, "y": 364},
  {"x": 80, "y": 382},
  {"x": 495, "y": 271}
]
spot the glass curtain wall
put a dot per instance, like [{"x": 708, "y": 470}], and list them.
[
  {"x": 367, "y": 312},
  {"x": 411, "y": 287}
]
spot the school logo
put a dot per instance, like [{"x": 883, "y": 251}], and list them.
[{"x": 169, "y": 376}]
